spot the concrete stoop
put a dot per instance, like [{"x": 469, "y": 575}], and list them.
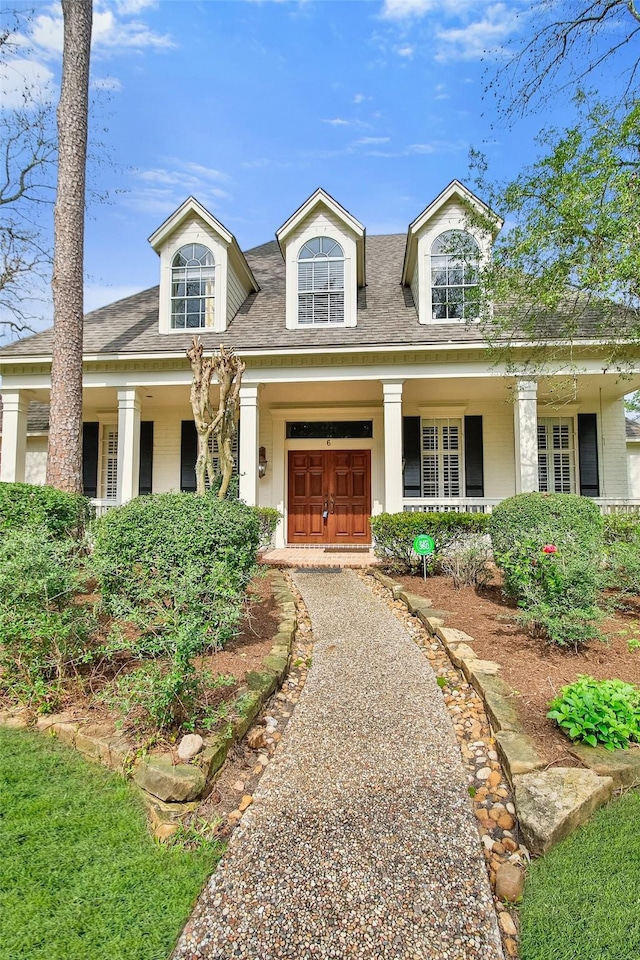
[{"x": 552, "y": 803}]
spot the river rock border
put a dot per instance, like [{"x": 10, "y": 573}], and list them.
[
  {"x": 172, "y": 790},
  {"x": 550, "y": 803}
]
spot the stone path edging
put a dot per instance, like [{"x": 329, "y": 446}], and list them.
[
  {"x": 550, "y": 803},
  {"x": 171, "y": 790}
]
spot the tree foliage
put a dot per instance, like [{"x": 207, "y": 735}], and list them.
[{"x": 567, "y": 267}]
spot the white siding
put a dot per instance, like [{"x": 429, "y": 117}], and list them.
[
  {"x": 236, "y": 293},
  {"x": 415, "y": 284},
  {"x": 36, "y": 460},
  {"x": 265, "y": 485},
  {"x": 166, "y": 451}
]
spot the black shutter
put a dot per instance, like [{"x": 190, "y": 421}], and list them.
[
  {"x": 188, "y": 456},
  {"x": 588, "y": 454},
  {"x": 473, "y": 457},
  {"x": 90, "y": 459},
  {"x": 411, "y": 456},
  {"x": 146, "y": 457}
]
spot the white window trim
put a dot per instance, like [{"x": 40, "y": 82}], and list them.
[
  {"x": 194, "y": 231},
  {"x": 322, "y": 259},
  {"x": 106, "y": 427},
  {"x": 210, "y": 297}
]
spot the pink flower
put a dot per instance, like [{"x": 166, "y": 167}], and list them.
[{"x": 550, "y": 548}]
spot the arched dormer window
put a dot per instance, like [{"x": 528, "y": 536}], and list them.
[
  {"x": 192, "y": 287},
  {"x": 454, "y": 276},
  {"x": 321, "y": 282}
]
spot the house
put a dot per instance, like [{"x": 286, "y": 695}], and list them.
[{"x": 367, "y": 386}]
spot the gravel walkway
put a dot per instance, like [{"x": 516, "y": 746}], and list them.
[{"x": 361, "y": 842}]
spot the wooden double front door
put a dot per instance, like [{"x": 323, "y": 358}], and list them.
[{"x": 329, "y": 496}]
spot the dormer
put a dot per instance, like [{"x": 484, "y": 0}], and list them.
[
  {"x": 323, "y": 250},
  {"x": 444, "y": 253},
  {"x": 204, "y": 277}
]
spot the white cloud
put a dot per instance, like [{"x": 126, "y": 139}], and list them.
[
  {"x": 474, "y": 40},
  {"x": 106, "y": 83},
  {"x": 160, "y": 190},
  {"x": 24, "y": 82},
  {"x": 406, "y": 51},
  {"x": 360, "y": 98},
  {"x": 402, "y": 9},
  {"x": 255, "y": 164},
  {"x": 368, "y": 141},
  {"x": 421, "y": 148},
  {"x": 339, "y": 122},
  {"x": 113, "y": 31}
]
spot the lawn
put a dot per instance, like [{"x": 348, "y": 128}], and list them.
[
  {"x": 81, "y": 877},
  {"x": 581, "y": 898}
]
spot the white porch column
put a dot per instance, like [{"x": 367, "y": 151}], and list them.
[
  {"x": 14, "y": 435},
  {"x": 248, "y": 452},
  {"x": 128, "y": 445},
  {"x": 525, "y": 422},
  {"x": 393, "y": 489}
]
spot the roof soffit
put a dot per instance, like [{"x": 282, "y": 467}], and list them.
[
  {"x": 454, "y": 191},
  {"x": 316, "y": 201}
]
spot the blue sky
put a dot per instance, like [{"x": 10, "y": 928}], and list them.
[{"x": 251, "y": 105}]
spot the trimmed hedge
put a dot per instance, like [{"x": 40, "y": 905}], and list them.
[
  {"x": 268, "y": 518},
  {"x": 394, "y": 533},
  {"x": 28, "y": 505},
  {"x": 570, "y": 522},
  {"x": 153, "y": 538}
]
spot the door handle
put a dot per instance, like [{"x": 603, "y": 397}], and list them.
[
  {"x": 333, "y": 504},
  {"x": 325, "y": 508}
]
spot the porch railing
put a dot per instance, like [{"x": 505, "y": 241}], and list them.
[
  {"x": 101, "y": 506},
  {"x": 486, "y": 505}
]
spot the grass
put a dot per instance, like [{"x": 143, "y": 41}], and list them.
[
  {"x": 80, "y": 876},
  {"x": 581, "y": 899}
]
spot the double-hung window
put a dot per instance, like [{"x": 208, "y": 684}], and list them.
[
  {"x": 556, "y": 455},
  {"x": 454, "y": 276},
  {"x": 441, "y": 458},
  {"x": 192, "y": 288},
  {"x": 321, "y": 282}
]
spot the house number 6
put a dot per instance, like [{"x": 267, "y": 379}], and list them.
[{"x": 328, "y": 443}]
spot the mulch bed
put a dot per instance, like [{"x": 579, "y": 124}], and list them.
[{"x": 533, "y": 668}]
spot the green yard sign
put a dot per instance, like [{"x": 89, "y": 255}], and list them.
[{"x": 424, "y": 545}]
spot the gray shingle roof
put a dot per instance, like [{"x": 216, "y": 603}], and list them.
[
  {"x": 37, "y": 417},
  {"x": 632, "y": 428},
  {"x": 386, "y": 315}
]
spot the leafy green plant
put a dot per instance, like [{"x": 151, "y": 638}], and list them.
[
  {"x": 598, "y": 711},
  {"x": 175, "y": 698},
  {"x": 469, "y": 562},
  {"x": 621, "y": 528},
  {"x": 394, "y": 533},
  {"x": 549, "y": 548},
  {"x": 58, "y": 514},
  {"x": 43, "y": 633},
  {"x": 268, "y": 518}
]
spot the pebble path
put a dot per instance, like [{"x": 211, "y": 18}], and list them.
[{"x": 361, "y": 841}]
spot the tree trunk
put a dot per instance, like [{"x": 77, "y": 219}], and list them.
[
  {"x": 64, "y": 458},
  {"x": 223, "y": 423}
]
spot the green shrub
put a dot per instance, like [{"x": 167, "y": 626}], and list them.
[
  {"x": 598, "y": 711},
  {"x": 177, "y": 565},
  {"x": 549, "y": 548},
  {"x": 43, "y": 634},
  {"x": 177, "y": 698},
  {"x": 268, "y": 518},
  {"x": 27, "y": 505},
  {"x": 394, "y": 533},
  {"x": 570, "y": 522},
  {"x": 469, "y": 563},
  {"x": 621, "y": 528}
]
